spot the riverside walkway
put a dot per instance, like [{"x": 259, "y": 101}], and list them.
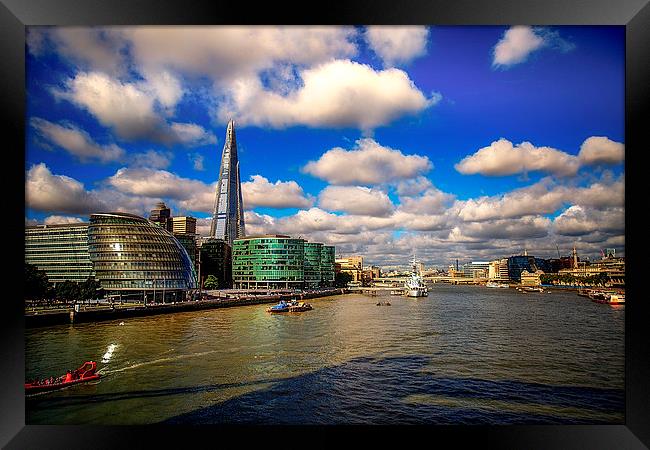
[{"x": 100, "y": 312}]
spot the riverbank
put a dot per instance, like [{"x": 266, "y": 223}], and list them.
[{"x": 117, "y": 311}]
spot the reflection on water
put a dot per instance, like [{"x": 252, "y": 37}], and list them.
[{"x": 465, "y": 354}]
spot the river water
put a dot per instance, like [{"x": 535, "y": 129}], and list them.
[{"x": 464, "y": 355}]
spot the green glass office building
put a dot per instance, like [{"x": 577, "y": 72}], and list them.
[
  {"x": 312, "y": 264},
  {"x": 281, "y": 262},
  {"x": 268, "y": 262},
  {"x": 327, "y": 259}
]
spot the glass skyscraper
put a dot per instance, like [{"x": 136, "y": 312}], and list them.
[{"x": 228, "y": 214}]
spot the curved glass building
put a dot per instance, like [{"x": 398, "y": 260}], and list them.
[
  {"x": 268, "y": 262},
  {"x": 132, "y": 255}
]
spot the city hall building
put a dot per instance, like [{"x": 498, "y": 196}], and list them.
[{"x": 129, "y": 255}]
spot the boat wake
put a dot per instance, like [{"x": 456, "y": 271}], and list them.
[
  {"x": 157, "y": 361},
  {"x": 109, "y": 352}
]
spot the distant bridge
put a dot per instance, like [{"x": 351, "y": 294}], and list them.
[{"x": 398, "y": 282}]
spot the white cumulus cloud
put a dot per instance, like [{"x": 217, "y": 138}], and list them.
[
  {"x": 76, "y": 141},
  {"x": 503, "y": 158},
  {"x": 369, "y": 163},
  {"x": 516, "y": 44},
  {"x": 356, "y": 200},
  {"x": 281, "y": 194},
  {"x": 397, "y": 44},
  {"x": 339, "y": 93},
  {"x": 600, "y": 149}
]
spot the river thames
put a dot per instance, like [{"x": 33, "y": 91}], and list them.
[{"x": 463, "y": 355}]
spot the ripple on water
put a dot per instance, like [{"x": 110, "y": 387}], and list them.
[{"x": 464, "y": 355}]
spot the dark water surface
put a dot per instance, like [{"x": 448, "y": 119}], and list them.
[{"x": 465, "y": 354}]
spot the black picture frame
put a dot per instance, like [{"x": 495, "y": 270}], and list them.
[{"x": 16, "y": 14}]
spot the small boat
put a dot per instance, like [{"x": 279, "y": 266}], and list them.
[
  {"x": 383, "y": 304},
  {"x": 609, "y": 298},
  {"x": 299, "y": 307},
  {"x": 283, "y": 306},
  {"x": 83, "y": 374},
  {"x": 492, "y": 284},
  {"x": 527, "y": 289}
]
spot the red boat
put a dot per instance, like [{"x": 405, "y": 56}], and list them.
[{"x": 83, "y": 374}]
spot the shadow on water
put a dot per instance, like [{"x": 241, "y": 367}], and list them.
[{"x": 387, "y": 391}]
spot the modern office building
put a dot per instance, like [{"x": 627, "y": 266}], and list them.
[
  {"x": 59, "y": 250},
  {"x": 312, "y": 264},
  {"x": 228, "y": 215},
  {"x": 476, "y": 269},
  {"x": 135, "y": 258},
  {"x": 268, "y": 262},
  {"x": 327, "y": 269},
  {"x": 184, "y": 225},
  {"x": 215, "y": 259},
  {"x": 519, "y": 263},
  {"x": 162, "y": 216}
]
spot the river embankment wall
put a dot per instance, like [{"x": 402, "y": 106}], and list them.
[{"x": 96, "y": 314}]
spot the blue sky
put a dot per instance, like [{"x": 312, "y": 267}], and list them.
[{"x": 448, "y": 142}]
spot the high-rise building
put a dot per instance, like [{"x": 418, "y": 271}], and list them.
[
  {"x": 228, "y": 214},
  {"x": 161, "y": 215},
  {"x": 184, "y": 225}
]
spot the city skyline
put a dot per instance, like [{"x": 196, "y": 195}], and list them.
[{"x": 449, "y": 142}]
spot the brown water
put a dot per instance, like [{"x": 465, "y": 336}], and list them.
[{"x": 465, "y": 354}]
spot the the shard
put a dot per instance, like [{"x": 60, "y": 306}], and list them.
[{"x": 228, "y": 215}]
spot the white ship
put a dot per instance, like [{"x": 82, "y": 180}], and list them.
[
  {"x": 492, "y": 284},
  {"x": 414, "y": 286}
]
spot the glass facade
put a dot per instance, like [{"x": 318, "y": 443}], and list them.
[
  {"x": 59, "y": 250},
  {"x": 517, "y": 264},
  {"x": 327, "y": 258},
  {"x": 228, "y": 215},
  {"x": 271, "y": 262},
  {"x": 130, "y": 253},
  {"x": 216, "y": 259},
  {"x": 312, "y": 264}
]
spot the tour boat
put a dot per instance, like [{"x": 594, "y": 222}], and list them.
[
  {"x": 83, "y": 374},
  {"x": 492, "y": 284}
]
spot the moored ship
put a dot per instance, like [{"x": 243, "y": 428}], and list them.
[
  {"x": 414, "y": 286},
  {"x": 493, "y": 284}
]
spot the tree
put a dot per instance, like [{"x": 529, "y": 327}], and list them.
[
  {"x": 36, "y": 282},
  {"x": 342, "y": 279},
  {"x": 90, "y": 289},
  {"x": 211, "y": 282},
  {"x": 68, "y": 290}
]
